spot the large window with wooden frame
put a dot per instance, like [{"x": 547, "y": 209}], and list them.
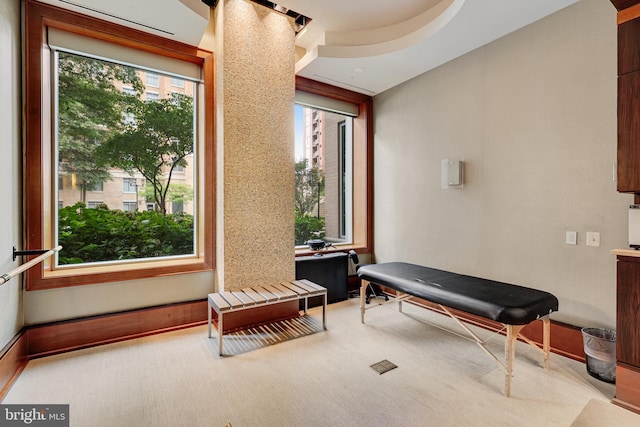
[
  {"x": 323, "y": 175},
  {"x": 336, "y": 123},
  {"x": 93, "y": 132}
]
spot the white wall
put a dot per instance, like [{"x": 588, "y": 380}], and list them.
[
  {"x": 81, "y": 301},
  {"x": 534, "y": 117},
  {"x": 10, "y": 215}
]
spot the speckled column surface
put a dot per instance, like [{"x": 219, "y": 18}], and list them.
[{"x": 255, "y": 228}]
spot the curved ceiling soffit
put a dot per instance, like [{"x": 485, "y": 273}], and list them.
[{"x": 393, "y": 38}]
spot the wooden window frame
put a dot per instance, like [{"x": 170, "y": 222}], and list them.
[
  {"x": 362, "y": 240},
  {"x": 38, "y": 17}
]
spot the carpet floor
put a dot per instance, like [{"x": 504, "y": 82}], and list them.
[{"x": 273, "y": 377}]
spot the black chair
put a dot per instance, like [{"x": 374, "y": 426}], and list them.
[{"x": 371, "y": 291}]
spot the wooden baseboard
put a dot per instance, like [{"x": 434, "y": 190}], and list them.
[
  {"x": 13, "y": 360},
  {"x": 627, "y": 387},
  {"x": 59, "y": 337},
  {"x": 69, "y": 335}
]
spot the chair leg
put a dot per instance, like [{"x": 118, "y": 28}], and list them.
[{"x": 373, "y": 294}]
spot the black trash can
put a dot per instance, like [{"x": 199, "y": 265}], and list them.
[{"x": 600, "y": 349}]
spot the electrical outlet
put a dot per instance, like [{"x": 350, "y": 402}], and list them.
[
  {"x": 593, "y": 238},
  {"x": 571, "y": 238}
]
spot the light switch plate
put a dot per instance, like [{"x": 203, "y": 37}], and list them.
[
  {"x": 452, "y": 173},
  {"x": 571, "y": 238},
  {"x": 593, "y": 238}
]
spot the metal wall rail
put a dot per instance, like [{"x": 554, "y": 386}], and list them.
[{"x": 27, "y": 265}]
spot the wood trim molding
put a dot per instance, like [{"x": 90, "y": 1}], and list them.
[
  {"x": 324, "y": 89},
  {"x": 13, "y": 359},
  {"x": 362, "y": 157},
  {"x": 60, "y": 337},
  {"x": 39, "y": 16},
  {"x": 628, "y": 14},
  {"x": 627, "y": 391}
]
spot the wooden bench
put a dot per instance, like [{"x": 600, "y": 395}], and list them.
[
  {"x": 226, "y": 302},
  {"x": 511, "y": 305}
]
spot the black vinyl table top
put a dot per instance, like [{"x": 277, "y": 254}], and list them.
[{"x": 503, "y": 302}]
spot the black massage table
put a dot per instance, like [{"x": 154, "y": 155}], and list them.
[{"x": 512, "y": 306}]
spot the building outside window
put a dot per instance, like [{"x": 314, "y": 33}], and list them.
[
  {"x": 129, "y": 141},
  {"x": 153, "y": 79},
  {"x": 177, "y": 207},
  {"x": 344, "y": 180},
  {"x": 323, "y": 176},
  {"x": 129, "y": 185},
  {"x": 97, "y": 186},
  {"x": 128, "y": 90},
  {"x": 129, "y": 206},
  {"x": 91, "y": 124},
  {"x": 152, "y": 96}
]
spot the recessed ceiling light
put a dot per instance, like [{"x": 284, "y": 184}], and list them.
[
  {"x": 301, "y": 21},
  {"x": 210, "y": 3},
  {"x": 280, "y": 8}
]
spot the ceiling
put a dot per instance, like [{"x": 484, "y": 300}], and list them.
[{"x": 363, "y": 45}]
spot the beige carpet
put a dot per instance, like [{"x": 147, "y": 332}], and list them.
[
  {"x": 601, "y": 413},
  {"x": 322, "y": 379}
]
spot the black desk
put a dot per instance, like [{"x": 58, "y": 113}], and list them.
[{"x": 328, "y": 270}]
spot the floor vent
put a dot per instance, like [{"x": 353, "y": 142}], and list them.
[{"x": 383, "y": 366}]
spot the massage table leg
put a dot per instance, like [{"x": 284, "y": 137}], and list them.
[
  {"x": 546, "y": 339},
  {"x": 510, "y": 354},
  {"x": 363, "y": 292},
  {"x": 512, "y": 334}
]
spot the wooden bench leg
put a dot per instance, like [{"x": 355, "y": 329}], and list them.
[
  {"x": 209, "y": 321},
  {"x": 209, "y": 318},
  {"x": 220, "y": 334},
  {"x": 324, "y": 312}
]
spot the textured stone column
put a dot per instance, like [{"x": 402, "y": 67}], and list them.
[{"x": 255, "y": 88}]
